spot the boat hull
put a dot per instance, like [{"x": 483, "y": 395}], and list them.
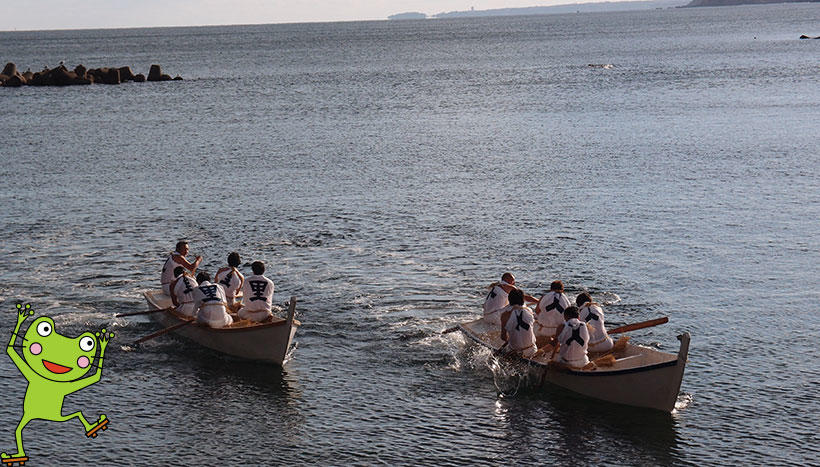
[
  {"x": 641, "y": 377},
  {"x": 268, "y": 342}
]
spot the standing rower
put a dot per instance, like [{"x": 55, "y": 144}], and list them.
[
  {"x": 497, "y": 299},
  {"x": 257, "y": 295},
  {"x": 177, "y": 258}
]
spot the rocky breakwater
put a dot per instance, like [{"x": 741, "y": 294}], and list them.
[{"x": 62, "y": 76}]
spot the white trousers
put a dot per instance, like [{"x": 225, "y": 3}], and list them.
[
  {"x": 188, "y": 309},
  {"x": 214, "y": 316},
  {"x": 256, "y": 316}
]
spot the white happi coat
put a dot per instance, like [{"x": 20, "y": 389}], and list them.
[
  {"x": 572, "y": 352},
  {"x": 549, "y": 313},
  {"x": 496, "y": 300},
  {"x": 520, "y": 333},
  {"x": 231, "y": 279},
  {"x": 593, "y": 315},
  {"x": 257, "y": 298},
  {"x": 184, "y": 292},
  {"x": 210, "y": 301},
  {"x": 168, "y": 272}
]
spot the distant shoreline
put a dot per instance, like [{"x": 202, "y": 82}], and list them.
[
  {"x": 697, "y": 3},
  {"x": 588, "y": 8}
]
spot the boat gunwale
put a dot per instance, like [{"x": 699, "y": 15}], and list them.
[
  {"x": 596, "y": 372},
  {"x": 149, "y": 295}
]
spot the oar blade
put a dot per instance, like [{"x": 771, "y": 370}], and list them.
[
  {"x": 145, "y": 312},
  {"x": 162, "y": 331},
  {"x": 641, "y": 325}
]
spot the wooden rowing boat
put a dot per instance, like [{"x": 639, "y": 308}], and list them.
[
  {"x": 640, "y": 377},
  {"x": 267, "y": 342}
]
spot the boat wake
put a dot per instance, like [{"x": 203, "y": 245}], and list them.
[
  {"x": 608, "y": 298},
  {"x": 293, "y": 346},
  {"x": 684, "y": 401}
]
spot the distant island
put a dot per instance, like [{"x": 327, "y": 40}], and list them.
[
  {"x": 587, "y": 8},
  {"x": 408, "y": 15},
  {"x": 741, "y": 2},
  {"x": 545, "y": 10}
]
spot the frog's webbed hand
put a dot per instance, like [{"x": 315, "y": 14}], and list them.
[
  {"x": 104, "y": 337},
  {"x": 23, "y": 312}
]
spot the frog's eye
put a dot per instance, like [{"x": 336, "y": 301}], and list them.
[
  {"x": 87, "y": 344},
  {"x": 44, "y": 329}
]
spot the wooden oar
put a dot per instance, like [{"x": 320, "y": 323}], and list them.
[
  {"x": 163, "y": 331},
  {"x": 449, "y": 330},
  {"x": 147, "y": 312},
  {"x": 641, "y": 325}
]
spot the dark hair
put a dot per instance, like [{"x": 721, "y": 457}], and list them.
[
  {"x": 180, "y": 244},
  {"x": 233, "y": 259},
  {"x": 571, "y": 312},
  {"x": 178, "y": 270},
  {"x": 507, "y": 275},
  {"x": 202, "y": 277},
  {"x": 516, "y": 297},
  {"x": 557, "y": 286},
  {"x": 258, "y": 268},
  {"x": 582, "y": 298}
]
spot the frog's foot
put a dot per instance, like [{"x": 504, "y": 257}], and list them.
[
  {"x": 102, "y": 424},
  {"x": 9, "y": 461}
]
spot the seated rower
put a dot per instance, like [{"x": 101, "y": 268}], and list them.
[
  {"x": 497, "y": 298},
  {"x": 517, "y": 326},
  {"x": 257, "y": 295},
  {"x": 592, "y": 314},
  {"x": 210, "y": 303},
  {"x": 177, "y": 258},
  {"x": 183, "y": 292},
  {"x": 573, "y": 337},
  {"x": 231, "y": 279},
  {"x": 549, "y": 313}
]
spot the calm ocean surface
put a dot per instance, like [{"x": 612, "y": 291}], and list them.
[{"x": 387, "y": 172}]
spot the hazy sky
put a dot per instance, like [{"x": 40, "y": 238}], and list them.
[{"x": 73, "y": 14}]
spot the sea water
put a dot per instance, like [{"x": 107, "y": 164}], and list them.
[{"x": 387, "y": 172}]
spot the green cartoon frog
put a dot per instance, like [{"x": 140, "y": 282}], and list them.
[{"x": 54, "y": 366}]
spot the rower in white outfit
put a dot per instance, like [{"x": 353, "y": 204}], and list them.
[
  {"x": 591, "y": 313},
  {"x": 230, "y": 278},
  {"x": 211, "y": 303},
  {"x": 257, "y": 295},
  {"x": 573, "y": 337},
  {"x": 177, "y": 258},
  {"x": 183, "y": 292},
  {"x": 517, "y": 326},
  {"x": 497, "y": 299},
  {"x": 549, "y": 314}
]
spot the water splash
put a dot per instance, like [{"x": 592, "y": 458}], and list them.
[{"x": 684, "y": 401}]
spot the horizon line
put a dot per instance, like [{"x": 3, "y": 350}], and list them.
[{"x": 428, "y": 17}]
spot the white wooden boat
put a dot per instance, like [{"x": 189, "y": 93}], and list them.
[
  {"x": 267, "y": 342},
  {"x": 640, "y": 377}
]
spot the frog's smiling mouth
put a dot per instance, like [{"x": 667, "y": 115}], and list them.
[{"x": 55, "y": 368}]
